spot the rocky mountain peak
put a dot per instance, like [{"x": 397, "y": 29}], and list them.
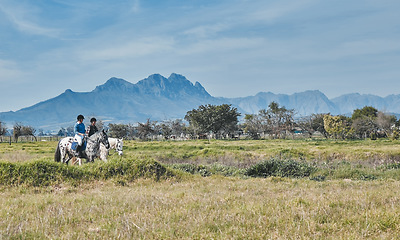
[
  {"x": 174, "y": 77},
  {"x": 115, "y": 84}
]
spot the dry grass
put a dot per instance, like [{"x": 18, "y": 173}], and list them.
[
  {"x": 213, "y": 207},
  {"x": 18, "y": 156},
  {"x": 205, "y": 208}
]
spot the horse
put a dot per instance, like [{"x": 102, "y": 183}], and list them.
[
  {"x": 115, "y": 143},
  {"x": 64, "y": 152}
]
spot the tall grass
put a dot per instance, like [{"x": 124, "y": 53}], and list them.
[
  {"x": 205, "y": 190},
  {"x": 204, "y": 208}
]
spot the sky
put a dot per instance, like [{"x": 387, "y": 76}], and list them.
[{"x": 234, "y": 48}]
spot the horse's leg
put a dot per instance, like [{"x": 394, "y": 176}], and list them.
[
  {"x": 69, "y": 155},
  {"x": 64, "y": 154},
  {"x": 72, "y": 158},
  {"x": 103, "y": 157},
  {"x": 103, "y": 153},
  {"x": 76, "y": 160}
]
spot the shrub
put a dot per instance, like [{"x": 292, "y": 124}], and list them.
[
  {"x": 395, "y": 135},
  {"x": 205, "y": 171},
  {"x": 130, "y": 169},
  {"x": 280, "y": 168},
  {"x": 192, "y": 168}
]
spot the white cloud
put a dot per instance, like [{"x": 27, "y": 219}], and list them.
[
  {"x": 272, "y": 12},
  {"x": 9, "y": 71},
  {"x": 24, "y": 18},
  {"x": 127, "y": 50},
  {"x": 221, "y": 45},
  {"x": 205, "y": 31}
]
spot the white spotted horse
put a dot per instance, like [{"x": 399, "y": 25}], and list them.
[
  {"x": 64, "y": 152},
  {"x": 115, "y": 143}
]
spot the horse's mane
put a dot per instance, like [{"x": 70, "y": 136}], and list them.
[{"x": 95, "y": 134}]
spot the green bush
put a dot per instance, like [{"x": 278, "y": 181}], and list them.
[
  {"x": 129, "y": 169},
  {"x": 38, "y": 173},
  {"x": 192, "y": 168},
  {"x": 205, "y": 171},
  {"x": 280, "y": 168},
  {"x": 395, "y": 135},
  {"x": 355, "y": 173},
  {"x": 45, "y": 173}
]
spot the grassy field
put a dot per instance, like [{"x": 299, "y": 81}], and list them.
[{"x": 353, "y": 192}]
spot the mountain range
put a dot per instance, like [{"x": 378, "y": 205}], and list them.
[{"x": 159, "y": 98}]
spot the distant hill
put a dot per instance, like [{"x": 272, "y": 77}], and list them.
[{"x": 160, "y": 98}]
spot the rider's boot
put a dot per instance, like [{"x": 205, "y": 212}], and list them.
[{"x": 77, "y": 151}]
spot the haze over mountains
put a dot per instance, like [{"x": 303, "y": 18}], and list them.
[{"x": 160, "y": 98}]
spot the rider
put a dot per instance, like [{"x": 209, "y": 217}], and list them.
[
  {"x": 79, "y": 130},
  {"x": 92, "y": 129}
]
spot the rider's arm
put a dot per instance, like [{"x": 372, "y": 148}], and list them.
[{"x": 76, "y": 130}]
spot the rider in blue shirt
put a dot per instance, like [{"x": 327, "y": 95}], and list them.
[{"x": 79, "y": 130}]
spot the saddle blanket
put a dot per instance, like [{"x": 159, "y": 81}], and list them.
[{"x": 74, "y": 145}]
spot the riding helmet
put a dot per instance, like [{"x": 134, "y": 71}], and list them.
[{"x": 80, "y": 116}]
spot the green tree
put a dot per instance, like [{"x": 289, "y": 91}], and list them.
[
  {"x": 317, "y": 123},
  {"x": 165, "y": 130},
  {"x": 119, "y": 130},
  {"x": 3, "y": 129},
  {"x": 364, "y": 127},
  {"x": 173, "y": 127},
  {"x": 385, "y": 123},
  {"x": 279, "y": 120},
  {"x": 21, "y": 130},
  {"x": 276, "y": 121},
  {"x": 145, "y": 130},
  {"x": 365, "y": 122},
  {"x": 253, "y": 125},
  {"x": 218, "y": 119},
  {"x": 338, "y": 126},
  {"x": 367, "y": 111}
]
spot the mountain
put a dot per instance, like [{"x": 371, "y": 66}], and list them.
[
  {"x": 348, "y": 102},
  {"x": 117, "y": 101},
  {"x": 159, "y": 98},
  {"x": 304, "y": 103}
]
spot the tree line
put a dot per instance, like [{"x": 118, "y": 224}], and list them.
[
  {"x": 222, "y": 121},
  {"x": 279, "y": 122}
]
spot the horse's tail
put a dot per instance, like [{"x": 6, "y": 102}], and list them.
[{"x": 57, "y": 155}]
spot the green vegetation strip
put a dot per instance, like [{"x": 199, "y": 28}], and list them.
[
  {"x": 45, "y": 172},
  {"x": 289, "y": 168}
]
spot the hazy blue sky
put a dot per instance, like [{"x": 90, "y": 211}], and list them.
[{"x": 234, "y": 48}]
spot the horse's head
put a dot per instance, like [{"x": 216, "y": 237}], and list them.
[{"x": 119, "y": 146}]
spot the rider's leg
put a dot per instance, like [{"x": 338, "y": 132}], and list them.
[{"x": 78, "y": 139}]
